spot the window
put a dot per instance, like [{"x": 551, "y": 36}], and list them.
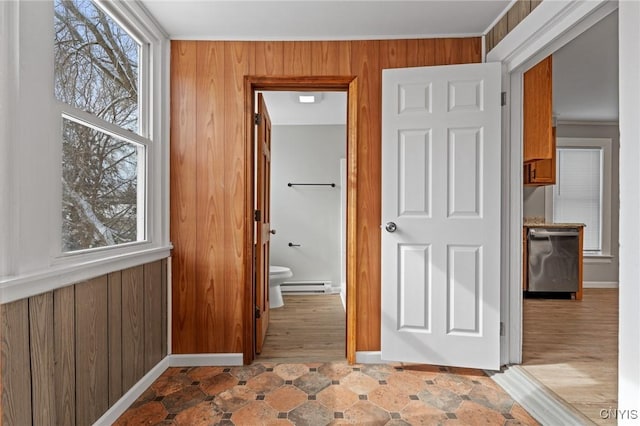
[
  {"x": 68, "y": 119},
  {"x": 104, "y": 140},
  {"x": 582, "y": 193},
  {"x": 577, "y": 195}
]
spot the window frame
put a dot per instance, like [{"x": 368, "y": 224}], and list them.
[
  {"x": 35, "y": 263},
  {"x": 605, "y": 144},
  {"x": 141, "y": 175},
  {"x": 142, "y": 137},
  {"x": 152, "y": 61}
]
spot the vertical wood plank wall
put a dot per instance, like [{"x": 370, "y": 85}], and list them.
[
  {"x": 519, "y": 10},
  {"x": 208, "y": 169},
  {"x": 70, "y": 354}
]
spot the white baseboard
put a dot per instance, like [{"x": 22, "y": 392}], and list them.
[
  {"x": 134, "y": 393},
  {"x": 599, "y": 284},
  {"x": 189, "y": 360},
  {"x": 203, "y": 360},
  {"x": 368, "y": 357},
  {"x": 343, "y": 297},
  {"x": 544, "y": 405}
]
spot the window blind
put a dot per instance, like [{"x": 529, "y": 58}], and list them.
[{"x": 577, "y": 195}]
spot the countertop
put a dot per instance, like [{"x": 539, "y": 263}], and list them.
[{"x": 540, "y": 222}]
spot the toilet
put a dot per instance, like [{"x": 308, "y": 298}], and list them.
[{"x": 277, "y": 275}]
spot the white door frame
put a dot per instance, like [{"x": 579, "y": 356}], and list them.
[
  {"x": 629, "y": 297},
  {"x": 549, "y": 26}
]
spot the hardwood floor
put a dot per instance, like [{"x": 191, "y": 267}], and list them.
[
  {"x": 307, "y": 328},
  {"x": 572, "y": 348}
]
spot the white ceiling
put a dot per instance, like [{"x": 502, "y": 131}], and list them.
[
  {"x": 323, "y": 19},
  {"x": 585, "y": 75},
  {"x": 285, "y": 109}
]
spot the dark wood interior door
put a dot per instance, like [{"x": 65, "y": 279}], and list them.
[{"x": 263, "y": 229}]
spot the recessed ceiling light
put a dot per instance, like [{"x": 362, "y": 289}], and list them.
[{"x": 306, "y": 97}]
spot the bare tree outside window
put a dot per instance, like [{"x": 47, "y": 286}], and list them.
[
  {"x": 96, "y": 71},
  {"x": 96, "y": 63},
  {"x": 99, "y": 202}
]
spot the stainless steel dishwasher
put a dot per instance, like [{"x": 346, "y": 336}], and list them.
[{"x": 553, "y": 259}]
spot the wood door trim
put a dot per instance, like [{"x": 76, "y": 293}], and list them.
[{"x": 303, "y": 83}]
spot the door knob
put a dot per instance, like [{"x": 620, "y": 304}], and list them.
[
  {"x": 391, "y": 227},
  {"x": 272, "y": 231}
]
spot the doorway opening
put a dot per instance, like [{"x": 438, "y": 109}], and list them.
[
  {"x": 558, "y": 335},
  {"x": 306, "y": 212},
  {"x": 272, "y": 196}
]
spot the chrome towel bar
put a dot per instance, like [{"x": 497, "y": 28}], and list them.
[{"x": 333, "y": 185}]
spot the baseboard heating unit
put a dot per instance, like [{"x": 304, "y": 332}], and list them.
[{"x": 306, "y": 287}]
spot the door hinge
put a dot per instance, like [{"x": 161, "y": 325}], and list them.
[
  {"x": 503, "y": 98},
  {"x": 257, "y": 215},
  {"x": 258, "y": 315},
  {"x": 501, "y": 328},
  {"x": 256, "y": 119}
]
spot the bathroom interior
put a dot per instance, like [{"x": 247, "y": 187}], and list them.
[{"x": 307, "y": 266}]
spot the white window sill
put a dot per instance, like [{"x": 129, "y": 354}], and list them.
[
  {"x": 597, "y": 258},
  {"x": 57, "y": 276}
]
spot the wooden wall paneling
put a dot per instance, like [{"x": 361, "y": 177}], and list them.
[
  {"x": 164, "y": 306},
  {"x": 488, "y": 40},
  {"x": 132, "y": 326},
  {"x": 517, "y": 13},
  {"x": 451, "y": 51},
  {"x": 152, "y": 315},
  {"x": 250, "y": 58},
  {"x": 421, "y": 52},
  {"x": 366, "y": 64},
  {"x": 472, "y": 50},
  {"x": 230, "y": 297},
  {"x": 114, "y": 301},
  {"x": 92, "y": 363},
  {"x": 64, "y": 332},
  {"x": 394, "y": 53},
  {"x": 331, "y": 58},
  {"x": 297, "y": 58},
  {"x": 269, "y": 58},
  {"x": 500, "y": 30},
  {"x": 42, "y": 358},
  {"x": 16, "y": 368},
  {"x": 212, "y": 186},
  {"x": 183, "y": 195}
]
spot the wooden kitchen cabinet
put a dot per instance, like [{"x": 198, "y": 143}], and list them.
[
  {"x": 542, "y": 172},
  {"x": 538, "y": 140}
]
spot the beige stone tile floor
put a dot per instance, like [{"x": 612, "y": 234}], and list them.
[{"x": 331, "y": 393}]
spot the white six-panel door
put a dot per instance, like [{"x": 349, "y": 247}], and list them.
[{"x": 441, "y": 192}]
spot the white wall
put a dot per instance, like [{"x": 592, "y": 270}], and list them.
[
  {"x": 533, "y": 202},
  {"x": 307, "y": 215},
  {"x": 8, "y": 56}
]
